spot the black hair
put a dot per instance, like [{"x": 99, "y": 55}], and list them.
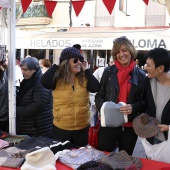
[{"x": 160, "y": 56}]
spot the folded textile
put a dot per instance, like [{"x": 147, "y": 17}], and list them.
[
  {"x": 33, "y": 142},
  {"x": 76, "y": 157},
  {"x": 111, "y": 115},
  {"x": 11, "y": 162},
  {"x": 42, "y": 159},
  {"x": 15, "y": 139},
  {"x": 121, "y": 160},
  {"x": 3, "y": 143}
]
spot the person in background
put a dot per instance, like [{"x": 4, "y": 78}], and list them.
[
  {"x": 122, "y": 82},
  {"x": 45, "y": 64},
  {"x": 34, "y": 102},
  {"x": 19, "y": 76},
  {"x": 157, "y": 88},
  {"x": 93, "y": 111},
  {"x": 71, "y": 82},
  {"x": 4, "y": 113}
]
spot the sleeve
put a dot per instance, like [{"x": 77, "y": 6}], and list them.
[
  {"x": 139, "y": 106},
  {"x": 47, "y": 78},
  {"x": 100, "y": 96},
  {"x": 40, "y": 99},
  {"x": 92, "y": 84}
]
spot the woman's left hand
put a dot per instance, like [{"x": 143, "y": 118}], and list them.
[
  {"x": 127, "y": 109},
  {"x": 84, "y": 65},
  {"x": 163, "y": 127}
]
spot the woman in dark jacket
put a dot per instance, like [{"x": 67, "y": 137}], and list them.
[
  {"x": 157, "y": 88},
  {"x": 34, "y": 102},
  {"x": 122, "y": 82}
]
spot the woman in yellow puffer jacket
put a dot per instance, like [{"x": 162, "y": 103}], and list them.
[{"x": 71, "y": 82}]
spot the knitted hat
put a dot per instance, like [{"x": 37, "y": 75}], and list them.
[
  {"x": 121, "y": 160},
  {"x": 111, "y": 115},
  {"x": 78, "y": 46},
  {"x": 145, "y": 126},
  {"x": 70, "y": 52},
  {"x": 42, "y": 159},
  {"x": 93, "y": 165}
]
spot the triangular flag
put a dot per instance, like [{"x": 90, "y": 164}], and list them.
[
  {"x": 25, "y": 4},
  {"x": 78, "y": 5},
  {"x": 50, "y": 6},
  {"x": 0, "y": 7},
  {"x": 146, "y": 1},
  {"x": 109, "y": 5}
]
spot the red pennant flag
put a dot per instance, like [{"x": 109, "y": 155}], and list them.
[
  {"x": 0, "y": 7},
  {"x": 146, "y": 1},
  {"x": 109, "y": 5},
  {"x": 50, "y": 6},
  {"x": 25, "y": 4},
  {"x": 78, "y": 5}
]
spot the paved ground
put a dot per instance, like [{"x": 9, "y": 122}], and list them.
[{"x": 139, "y": 150}]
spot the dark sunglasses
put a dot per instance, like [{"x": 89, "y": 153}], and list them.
[{"x": 78, "y": 59}]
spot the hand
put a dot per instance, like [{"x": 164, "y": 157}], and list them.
[
  {"x": 127, "y": 109},
  {"x": 84, "y": 65},
  {"x": 163, "y": 127}
]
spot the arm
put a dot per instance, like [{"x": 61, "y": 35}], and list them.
[
  {"x": 100, "y": 96},
  {"x": 47, "y": 78},
  {"x": 93, "y": 84},
  {"x": 139, "y": 106}
]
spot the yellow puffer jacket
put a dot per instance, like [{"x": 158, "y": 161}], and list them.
[{"x": 71, "y": 107}]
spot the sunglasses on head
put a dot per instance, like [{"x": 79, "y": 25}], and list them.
[
  {"x": 120, "y": 39},
  {"x": 78, "y": 59}
]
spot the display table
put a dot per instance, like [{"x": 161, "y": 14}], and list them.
[{"x": 147, "y": 165}]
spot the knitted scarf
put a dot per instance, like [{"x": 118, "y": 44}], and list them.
[
  {"x": 123, "y": 79},
  {"x": 124, "y": 85}
]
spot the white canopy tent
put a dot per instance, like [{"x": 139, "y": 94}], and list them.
[{"x": 10, "y": 5}]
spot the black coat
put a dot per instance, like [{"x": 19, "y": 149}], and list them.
[
  {"x": 34, "y": 108},
  {"x": 109, "y": 90},
  {"x": 151, "y": 108}
]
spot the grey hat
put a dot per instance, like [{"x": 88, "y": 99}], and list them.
[
  {"x": 111, "y": 115},
  {"x": 70, "y": 52}
]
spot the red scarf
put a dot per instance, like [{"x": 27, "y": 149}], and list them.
[{"x": 123, "y": 80}]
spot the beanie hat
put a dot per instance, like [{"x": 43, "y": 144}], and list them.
[
  {"x": 78, "y": 46},
  {"x": 70, "y": 52},
  {"x": 42, "y": 159},
  {"x": 94, "y": 165},
  {"x": 111, "y": 115},
  {"x": 145, "y": 126},
  {"x": 121, "y": 160}
]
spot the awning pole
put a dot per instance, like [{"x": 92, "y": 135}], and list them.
[{"x": 11, "y": 67}]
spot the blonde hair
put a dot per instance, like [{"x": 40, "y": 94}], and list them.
[{"x": 117, "y": 45}]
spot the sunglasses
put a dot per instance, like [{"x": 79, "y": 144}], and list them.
[
  {"x": 120, "y": 39},
  {"x": 78, "y": 59}
]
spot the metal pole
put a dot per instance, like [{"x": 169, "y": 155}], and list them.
[{"x": 11, "y": 67}]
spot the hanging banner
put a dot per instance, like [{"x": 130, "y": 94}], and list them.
[
  {"x": 50, "y": 6},
  {"x": 146, "y": 1},
  {"x": 25, "y": 4},
  {"x": 78, "y": 5},
  {"x": 109, "y": 5}
]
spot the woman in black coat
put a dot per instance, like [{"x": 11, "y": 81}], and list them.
[
  {"x": 157, "y": 88},
  {"x": 34, "y": 102}
]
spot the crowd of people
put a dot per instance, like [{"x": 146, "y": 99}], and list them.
[{"x": 55, "y": 101}]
